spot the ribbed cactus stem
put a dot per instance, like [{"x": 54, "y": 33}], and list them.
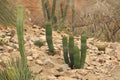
[
  {"x": 49, "y": 37},
  {"x": 20, "y": 33},
  {"x": 71, "y": 50},
  {"x": 65, "y": 50},
  {"x": 76, "y": 58},
  {"x": 44, "y": 9},
  {"x": 53, "y": 10},
  {"x": 83, "y": 50}
]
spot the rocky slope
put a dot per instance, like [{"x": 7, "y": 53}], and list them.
[{"x": 101, "y": 64}]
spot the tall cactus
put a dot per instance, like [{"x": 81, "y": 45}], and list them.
[
  {"x": 49, "y": 37},
  {"x": 71, "y": 50},
  {"x": 83, "y": 50},
  {"x": 20, "y": 34},
  {"x": 77, "y": 64},
  {"x": 65, "y": 50}
]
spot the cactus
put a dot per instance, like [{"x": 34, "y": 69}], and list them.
[
  {"x": 77, "y": 64},
  {"x": 20, "y": 34},
  {"x": 49, "y": 37},
  {"x": 53, "y": 12},
  {"x": 83, "y": 50},
  {"x": 72, "y": 55},
  {"x": 65, "y": 50},
  {"x": 71, "y": 50}
]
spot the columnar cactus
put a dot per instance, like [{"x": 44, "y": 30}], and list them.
[
  {"x": 83, "y": 50},
  {"x": 65, "y": 50},
  {"x": 49, "y": 38},
  {"x": 72, "y": 55},
  {"x": 71, "y": 50},
  {"x": 20, "y": 34},
  {"x": 77, "y": 63}
]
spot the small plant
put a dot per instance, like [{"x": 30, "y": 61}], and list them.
[
  {"x": 14, "y": 71},
  {"x": 49, "y": 37},
  {"x": 71, "y": 52},
  {"x": 38, "y": 43}
]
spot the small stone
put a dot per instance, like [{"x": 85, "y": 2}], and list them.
[
  {"x": 63, "y": 68},
  {"x": 39, "y": 62},
  {"x": 29, "y": 58},
  {"x": 48, "y": 63},
  {"x": 51, "y": 77},
  {"x": 35, "y": 55},
  {"x": 36, "y": 69},
  {"x": 66, "y": 78},
  {"x": 110, "y": 51},
  {"x": 38, "y": 77}
]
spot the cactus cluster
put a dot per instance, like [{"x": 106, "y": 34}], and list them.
[{"x": 72, "y": 56}]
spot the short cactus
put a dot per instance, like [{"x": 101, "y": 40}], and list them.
[
  {"x": 72, "y": 55},
  {"x": 49, "y": 38},
  {"x": 83, "y": 50},
  {"x": 65, "y": 50}
]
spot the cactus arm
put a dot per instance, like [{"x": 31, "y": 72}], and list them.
[
  {"x": 71, "y": 51},
  {"x": 65, "y": 50},
  {"x": 49, "y": 37},
  {"x": 83, "y": 50},
  {"x": 53, "y": 10},
  {"x": 76, "y": 57}
]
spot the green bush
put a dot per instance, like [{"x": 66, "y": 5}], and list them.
[{"x": 38, "y": 43}]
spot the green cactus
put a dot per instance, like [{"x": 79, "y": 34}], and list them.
[
  {"x": 72, "y": 55},
  {"x": 20, "y": 34},
  {"x": 83, "y": 50},
  {"x": 49, "y": 37},
  {"x": 77, "y": 64},
  {"x": 65, "y": 50},
  {"x": 71, "y": 50},
  {"x": 53, "y": 11}
]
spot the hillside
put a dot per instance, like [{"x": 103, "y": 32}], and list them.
[{"x": 99, "y": 19}]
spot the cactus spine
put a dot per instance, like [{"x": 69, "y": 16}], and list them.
[
  {"x": 83, "y": 50},
  {"x": 65, "y": 50},
  {"x": 49, "y": 37}
]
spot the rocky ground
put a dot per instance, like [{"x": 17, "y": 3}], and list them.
[{"x": 101, "y": 64}]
